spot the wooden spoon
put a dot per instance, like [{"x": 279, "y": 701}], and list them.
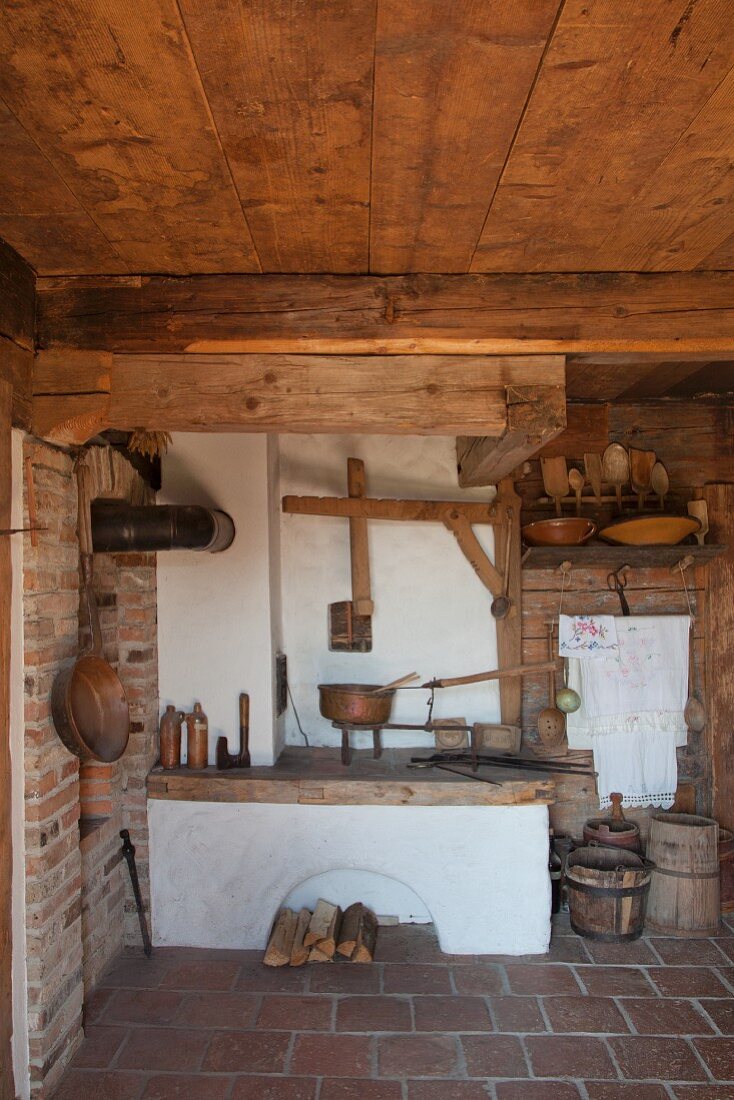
[
  {"x": 699, "y": 509},
  {"x": 694, "y": 712},
  {"x": 501, "y": 604},
  {"x": 555, "y": 479},
  {"x": 576, "y": 481},
  {"x": 592, "y": 465},
  {"x": 641, "y": 467},
  {"x": 660, "y": 482},
  {"x": 394, "y": 684},
  {"x": 551, "y": 721},
  {"x": 615, "y": 466}
]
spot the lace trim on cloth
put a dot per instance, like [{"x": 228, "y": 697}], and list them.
[
  {"x": 665, "y": 800},
  {"x": 649, "y": 721}
]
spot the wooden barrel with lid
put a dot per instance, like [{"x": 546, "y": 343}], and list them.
[{"x": 684, "y": 893}]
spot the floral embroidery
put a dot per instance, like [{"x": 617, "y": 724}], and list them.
[{"x": 587, "y": 634}]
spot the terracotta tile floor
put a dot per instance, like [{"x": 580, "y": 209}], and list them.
[{"x": 647, "y": 1021}]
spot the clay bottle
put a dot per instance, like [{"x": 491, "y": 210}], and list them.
[
  {"x": 170, "y": 735},
  {"x": 197, "y": 738}
]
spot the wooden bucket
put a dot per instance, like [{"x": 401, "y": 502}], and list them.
[
  {"x": 726, "y": 869},
  {"x": 607, "y": 893},
  {"x": 684, "y": 894}
]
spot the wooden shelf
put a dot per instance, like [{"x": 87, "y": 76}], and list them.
[{"x": 599, "y": 554}]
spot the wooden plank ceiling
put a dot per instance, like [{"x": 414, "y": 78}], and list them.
[{"x": 356, "y": 136}]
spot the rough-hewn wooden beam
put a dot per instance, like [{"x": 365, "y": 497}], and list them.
[
  {"x": 677, "y": 312},
  {"x": 77, "y": 394},
  {"x": 17, "y": 320},
  {"x": 7, "y": 1090},
  {"x": 535, "y": 415}
]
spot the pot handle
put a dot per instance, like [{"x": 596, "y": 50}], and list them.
[
  {"x": 96, "y": 643},
  {"x": 84, "y": 524}
]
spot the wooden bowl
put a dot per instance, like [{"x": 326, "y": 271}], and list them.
[
  {"x": 650, "y": 530},
  {"x": 566, "y": 531}
]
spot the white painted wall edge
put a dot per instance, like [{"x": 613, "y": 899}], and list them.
[{"x": 20, "y": 1048}]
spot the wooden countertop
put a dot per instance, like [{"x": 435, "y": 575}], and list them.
[{"x": 316, "y": 777}]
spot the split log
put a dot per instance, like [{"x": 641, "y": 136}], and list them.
[
  {"x": 299, "y": 952},
  {"x": 323, "y": 927},
  {"x": 364, "y": 951},
  {"x": 316, "y": 955},
  {"x": 280, "y": 944},
  {"x": 349, "y": 929}
]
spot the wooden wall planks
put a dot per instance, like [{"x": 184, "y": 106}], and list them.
[
  {"x": 17, "y": 324},
  {"x": 7, "y": 1090},
  {"x": 110, "y": 94},
  {"x": 719, "y": 634},
  {"x": 451, "y": 82},
  {"x": 594, "y": 135},
  {"x": 292, "y": 99}
]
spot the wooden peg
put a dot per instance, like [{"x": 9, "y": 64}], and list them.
[{"x": 684, "y": 563}]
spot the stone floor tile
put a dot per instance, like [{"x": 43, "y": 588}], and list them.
[
  {"x": 417, "y": 1055},
  {"x": 143, "y": 1006},
  {"x": 494, "y": 1056},
  {"x": 685, "y": 952},
  {"x": 279, "y": 1012},
  {"x": 415, "y": 979},
  {"x": 162, "y": 1048},
  {"x": 78, "y": 1084},
  {"x": 703, "y": 1092},
  {"x": 100, "y": 1046},
  {"x": 536, "y": 1090},
  {"x": 613, "y": 1090},
  {"x": 569, "y": 1056},
  {"x": 218, "y": 1010},
  {"x": 247, "y": 1052},
  {"x": 478, "y": 980},
  {"x": 584, "y": 1014},
  {"x": 561, "y": 925},
  {"x": 727, "y": 946},
  {"x": 687, "y": 981},
  {"x": 344, "y": 978},
  {"x": 447, "y": 1090},
  {"x": 256, "y": 978},
  {"x": 660, "y": 1059},
  {"x": 721, "y": 1012},
  {"x": 133, "y": 973},
  {"x": 541, "y": 980},
  {"x": 177, "y": 1086},
  {"x": 718, "y": 1054},
  {"x": 517, "y": 1014},
  {"x": 331, "y": 1056},
  {"x": 274, "y": 1088},
  {"x": 201, "y": 974},
  {"x": 616, "y": 981},
  {"x": 96, "y": 1005},
  {"x": 634, "y": 953},
  {"x": 665, "y": 1016},
  {"x": 451, "y": 1014},
  {"x": 373, "y": 1014},
  {"x": 342, "y": 1088}
]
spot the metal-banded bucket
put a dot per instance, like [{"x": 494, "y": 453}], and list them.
[
  {"x": 607, "y": 893},
  {"x": 684, "y": 899}
]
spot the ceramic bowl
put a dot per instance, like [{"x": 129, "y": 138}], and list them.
[
  {"x": 650, "y": 530},
  {"x": 563, "y": 531}
]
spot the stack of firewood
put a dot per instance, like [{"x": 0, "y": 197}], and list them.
[{"x": 298, "y": 938}]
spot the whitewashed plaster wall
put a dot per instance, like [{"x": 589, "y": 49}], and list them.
[
  {"x": 216, "y": 634},
  {"x": 431, "y": 611},
  {"x": 219, "y": 872},
  {"x": 20, "y": 1050}
]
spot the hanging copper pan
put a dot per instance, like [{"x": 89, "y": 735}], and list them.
[{"x": 88, "y": 702}]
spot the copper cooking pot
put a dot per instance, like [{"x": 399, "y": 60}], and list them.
[
  {"x": 88, "y": 702},
  {"x": 353, "y": 704}
]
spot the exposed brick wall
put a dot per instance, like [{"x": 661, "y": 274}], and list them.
[{"x": 80, "y": 909}]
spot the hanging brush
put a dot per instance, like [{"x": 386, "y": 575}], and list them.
[{"x": 149, "y": 444}]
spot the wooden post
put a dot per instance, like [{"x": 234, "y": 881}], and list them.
[
  {"x": 358, "y": 545},
  {"x": 7, "y": 1088},
  {"x": 719, "y": 650},
  {"x": 509, "y": 629}
]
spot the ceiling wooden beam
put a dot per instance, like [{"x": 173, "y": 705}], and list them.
[
  {"x": 76, "y": 394},
  {"x": 679, "y": 312},
  {"x": 535, "y": 416}
]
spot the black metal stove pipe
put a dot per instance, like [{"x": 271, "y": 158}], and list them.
[{"x": 119, "y": 528}]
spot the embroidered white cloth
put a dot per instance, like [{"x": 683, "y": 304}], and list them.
[
  {"x": 631, "y": 713},
  {"x": 587, "y": 637}
]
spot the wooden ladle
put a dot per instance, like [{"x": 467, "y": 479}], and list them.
[
  {"x": 660, "y": 482},
  {"x": 642, "y": 464},
  {"x": 695, "y": 712},
  {"x": 616, "y": 469},
  {"x": 501, "y": 604},
  {"x": 555, "y": 479},
  {"x": 576, "y": 481},
  {"x": 551, "y": 721}
]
